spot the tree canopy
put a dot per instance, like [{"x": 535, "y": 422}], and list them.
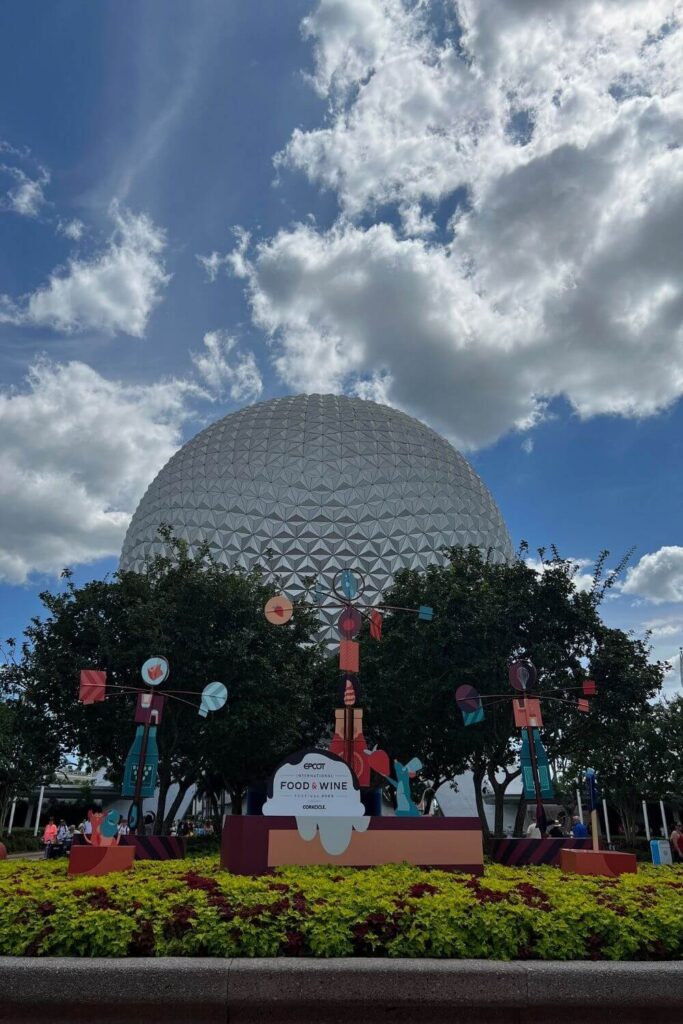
[
  {"x": 208, "y": 621},
  {"x": 487, "y": 614}
]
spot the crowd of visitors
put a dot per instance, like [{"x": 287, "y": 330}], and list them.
[
  {"x": 58, "y": 839},
  {"x": 187, "y": 827}
]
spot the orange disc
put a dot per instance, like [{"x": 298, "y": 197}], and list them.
[{"x": 279, "y": 610}]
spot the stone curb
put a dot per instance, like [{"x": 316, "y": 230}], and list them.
[{"x": 289, "y": 991}]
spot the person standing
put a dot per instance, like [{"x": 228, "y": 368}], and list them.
[
  {"x": 49, "y": 837},
  {"x": 579, "y": 830},
  {"x": 676, "y": 841},
  {"x": 63, "y": 837}
]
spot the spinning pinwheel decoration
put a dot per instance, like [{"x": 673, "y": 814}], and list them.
[
  {"x": 140, "y": 771},
  {"x": 526, "y": 706},
  {"x": 348, "y": 742}
]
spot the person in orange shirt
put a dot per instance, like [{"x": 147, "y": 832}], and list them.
[{"x": 49, "y": 836}]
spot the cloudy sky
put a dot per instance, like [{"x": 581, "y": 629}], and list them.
[{"x": 469, "y": 209}]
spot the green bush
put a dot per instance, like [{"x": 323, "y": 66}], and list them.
[
  {"x": 21, "y": 841},
  {"x": 192, "y": 908},
  {"x": 203, "y": 846}
]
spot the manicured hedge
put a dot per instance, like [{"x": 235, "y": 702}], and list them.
[
  {"x": 195, "y": 909},
  {"x": 21, "y": 840}
]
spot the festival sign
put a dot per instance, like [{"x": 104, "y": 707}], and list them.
[{"x": 311, "y": 783}]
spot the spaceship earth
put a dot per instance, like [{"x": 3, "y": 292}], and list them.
[{"x": 311, "y": 484}]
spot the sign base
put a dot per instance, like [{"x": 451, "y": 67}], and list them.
[
  {"x": 598, "y": 862},
  {"x": 252, "y": 845},
  {"x": 156, "y": 847},
  {"x": 100, "y": 860}
]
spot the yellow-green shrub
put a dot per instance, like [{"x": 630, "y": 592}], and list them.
[{"x": 192, "y": 908}]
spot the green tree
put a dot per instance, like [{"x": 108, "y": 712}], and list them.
[
  {"x": 637, "y": 750},
  {"x": 485, "y": 615},
  {"x": 30, "y": 747},
  {"x": 208, "y": 621}
]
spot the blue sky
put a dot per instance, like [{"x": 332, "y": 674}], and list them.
[{"x": 472, "y": 211}]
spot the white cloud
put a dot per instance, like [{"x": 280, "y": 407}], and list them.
[
  {"x": 238, "y": 375},
  {"x": 353, "y": 304},
  {"x": 664, "y": 628},
  {"x": 115, "y": 291},
  {"x": 71, "y": 229},
  {"x": 212, "y": 264},
  {"x": 658, "y": 576},
  {"x": 555, "y": 132},
  {"x": 27, "y": 195},
  {"x": 527, "y": 445},
  {"x": 65, "y": 501}
]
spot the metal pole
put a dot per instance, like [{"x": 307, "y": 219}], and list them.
[
  {"x": 11, "y": 816},
  {"x": 540, "y": 813},
  {"x": 647, "y": 821},
  {"x": 40, "y": 807},
  {"x": 578, "y": 804},
  {"x": 348, "y": 729},
  {"x": 665, "y": 827},
  {"x": 607, "y": 831}
]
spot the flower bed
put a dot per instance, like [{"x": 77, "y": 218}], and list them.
[{"x": 179, "y": 909}]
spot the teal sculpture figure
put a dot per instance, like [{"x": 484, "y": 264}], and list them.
[{"x": 405, "y": 808}]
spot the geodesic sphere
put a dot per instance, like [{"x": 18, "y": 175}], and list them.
[{"x": 312, "y": 484}]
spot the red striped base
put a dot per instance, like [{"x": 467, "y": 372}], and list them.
[{"x": 520, "y": 852}]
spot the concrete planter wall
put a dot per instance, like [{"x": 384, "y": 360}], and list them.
[{"x": 287, "y": 991}]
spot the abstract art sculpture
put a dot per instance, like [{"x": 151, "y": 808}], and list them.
[
  {"x": 141, "y": 765},
  {"x": 322, "y": 805}
]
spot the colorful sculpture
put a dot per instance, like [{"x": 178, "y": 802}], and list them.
[
  {"x": 140, "y": 770},
  {"x": 405, "y": 808},
  {"x": 348, "y": 741}
]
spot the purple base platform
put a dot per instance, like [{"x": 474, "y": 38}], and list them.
[
  {"x": 156, "y": 847},
  {"x": 520, "y": 852}
]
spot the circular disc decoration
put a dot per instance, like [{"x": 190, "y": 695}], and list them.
[
  {"x": 522, "y": 675},
  {"x": 467, "y": 698},
  {"x": 278, "y": 610},
  {"x": 155, "y": 671},
  {"x": 348, "y": 584},
  {"x": 133, "y": 816},
  {"x": 349, "y": 622},
  {"x": 214, "y": 696}
]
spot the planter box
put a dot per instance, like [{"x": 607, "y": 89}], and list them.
[
  {"x": 100, "y": 860},
  {"x": 598, "y": 862},
  {"x": 253, "y": 844}
]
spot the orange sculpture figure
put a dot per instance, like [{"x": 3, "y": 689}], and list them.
[
  {"x": 105, "y": 828},
  {"x": 103, "y": 854}
]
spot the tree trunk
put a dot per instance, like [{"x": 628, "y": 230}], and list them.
[
  {"x": 478, "y": 774},
  {"x": 183, "y": 786},
  {"x": 215, "y": 813},
  {"x": 520, "y": 817},
  {"x": 236, "y": 796},
  {"x": 4, "y": 805},
  {"x": 628, "y": 820},
  {"x": 499, "y": 791}
]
